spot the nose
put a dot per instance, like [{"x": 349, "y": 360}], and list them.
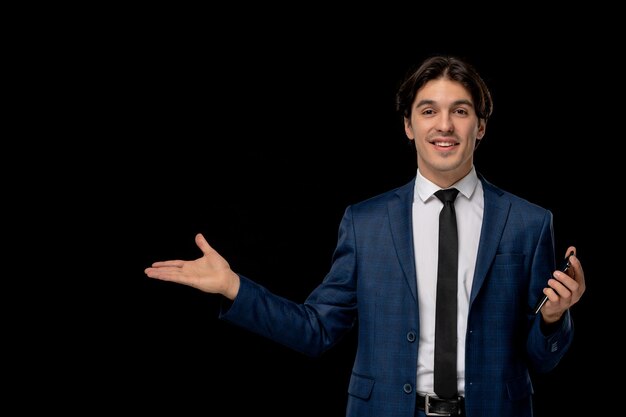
[{"x": 444, "y": 122}]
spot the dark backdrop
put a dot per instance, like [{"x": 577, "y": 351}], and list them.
[{"x": 260, "y": 142}]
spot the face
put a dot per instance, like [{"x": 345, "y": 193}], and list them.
[{"x": 444, "y": 127}]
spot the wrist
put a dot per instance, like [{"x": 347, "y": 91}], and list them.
[
  {"x": 551, "y": 324},
  {"x": 232, "y": 287}
]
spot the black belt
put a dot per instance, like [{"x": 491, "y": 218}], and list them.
[{"x": 434, "y": 406}]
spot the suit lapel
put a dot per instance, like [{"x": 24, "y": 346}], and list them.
[
  {"x": 400, "y": 215},
  {"x": 494, "y": 220}
]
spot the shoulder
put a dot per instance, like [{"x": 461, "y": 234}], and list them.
[{"x": 496, "y": 195}]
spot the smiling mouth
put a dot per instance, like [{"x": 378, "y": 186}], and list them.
[{"x": 444, "y": 144}]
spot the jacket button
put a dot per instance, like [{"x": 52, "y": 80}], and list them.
[
  {"x": 410, "y": 336},
  {"x": 407, "y": 388}
]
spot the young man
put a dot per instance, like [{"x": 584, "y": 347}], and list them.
[{"x": 384, "y": 274}]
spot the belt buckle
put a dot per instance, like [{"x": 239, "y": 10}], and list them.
[{"x": 427, "y": 408}]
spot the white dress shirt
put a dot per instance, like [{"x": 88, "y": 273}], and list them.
[{"x": 469, "y": 207}]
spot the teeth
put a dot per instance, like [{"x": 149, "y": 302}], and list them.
[{"x": 445, "y": 144}]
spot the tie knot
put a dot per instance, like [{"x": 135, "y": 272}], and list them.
[{"x": 448, "y": 195}]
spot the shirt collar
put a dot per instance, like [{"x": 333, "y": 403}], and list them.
[{"x": 425, "y": 189}]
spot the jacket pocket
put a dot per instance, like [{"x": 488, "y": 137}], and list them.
[
  {"x": 519, "y": 388},
  {"x": 360, "y": 386},
  {"x": 509, "y": 259}
]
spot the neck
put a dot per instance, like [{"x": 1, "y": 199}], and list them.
[{"x": 445, "y": 179}]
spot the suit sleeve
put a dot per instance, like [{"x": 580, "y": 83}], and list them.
[
  {"x": 313, "y": 326},
  {"x": 546, "y": 350}
]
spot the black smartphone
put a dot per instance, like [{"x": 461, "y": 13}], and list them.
[{"x": 544, "y": 297}]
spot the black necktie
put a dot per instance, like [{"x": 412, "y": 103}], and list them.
[{"x": 445, "y": 319}]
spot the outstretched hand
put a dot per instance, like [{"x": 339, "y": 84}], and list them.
[
  {"x": 210, "y": 273},
  {"x": 564, "y": 289}
]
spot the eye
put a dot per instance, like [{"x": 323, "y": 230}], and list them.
[
  {"x": 428, "y": 112},
  {"x": 462, "y": 111}
]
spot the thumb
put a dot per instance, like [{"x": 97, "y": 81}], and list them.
[
  {"x": 204, "y": 245},
  {"x": 570, "y": 250}
]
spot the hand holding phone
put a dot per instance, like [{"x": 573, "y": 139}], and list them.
[{"x": 544, "y": 298}]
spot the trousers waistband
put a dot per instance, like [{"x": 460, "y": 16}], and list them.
[{"x": 434, "y": 406}]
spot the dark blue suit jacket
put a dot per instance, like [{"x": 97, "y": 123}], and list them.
[{"x": 372, "y": 282}]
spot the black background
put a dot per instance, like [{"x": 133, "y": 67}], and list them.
[{"x": 259, "y": 137}]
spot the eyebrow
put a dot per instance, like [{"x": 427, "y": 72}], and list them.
[{"x": 455, "y": 103}]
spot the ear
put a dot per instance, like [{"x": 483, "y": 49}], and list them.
[
  {"x": 482, "y": 127},
  {"x": 407, "y": 129}
]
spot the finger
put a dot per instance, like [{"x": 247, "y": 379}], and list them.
[
  {"x": 567, "y": 281},
  {"x": 571, "y": 249},
  {"x": 570, "y": 255},
  {"x": 165, "y": 274},
  {"x": 560, "y": 288},
  {"x": 204, "y": 245},
  {"x": 575, "y": 272},
  {"x": 551, "y": 294},
  {"x": 174, "y": 264},
  {"x": 563, "y": 277},
  {"x": 577, "y": 267}
]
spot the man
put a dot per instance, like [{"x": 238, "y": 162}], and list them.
[{"x": 384, "y": 274}]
